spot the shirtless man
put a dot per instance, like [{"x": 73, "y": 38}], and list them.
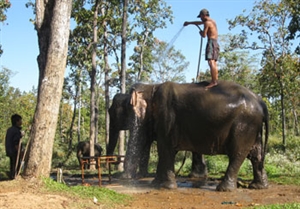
[{"x": 212, "y": 47}]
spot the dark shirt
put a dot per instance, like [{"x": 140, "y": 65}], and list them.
[{"x": 12, "y": 139}]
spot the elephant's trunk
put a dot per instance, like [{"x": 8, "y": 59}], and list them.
[
  {"x": 133, "y": 152},
  {"x": 113, "y": 139}
]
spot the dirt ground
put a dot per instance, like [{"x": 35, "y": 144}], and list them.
[{"x": 191, "y": 194}]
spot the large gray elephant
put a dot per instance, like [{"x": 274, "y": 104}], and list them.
[
  {"x": 226, "y": 119},
  {"x": 123, "y": 117}
]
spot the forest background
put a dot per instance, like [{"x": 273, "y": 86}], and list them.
[{"x": 97, "y": 68}]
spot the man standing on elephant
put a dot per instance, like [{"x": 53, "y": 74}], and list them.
[{"x": 212, "y": 47}]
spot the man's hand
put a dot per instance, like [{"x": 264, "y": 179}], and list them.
[{"x": 186, "y": 23}]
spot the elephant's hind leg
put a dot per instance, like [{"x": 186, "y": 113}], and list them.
[
  {"x": 229, "y": 182},
  {"x": 260, "y": 179}
]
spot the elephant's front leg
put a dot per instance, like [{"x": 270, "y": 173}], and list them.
[
  {"x": 143, "y": 164},
  {"x": 165, "y": 176},
  {"x": 229, "y": 182}
]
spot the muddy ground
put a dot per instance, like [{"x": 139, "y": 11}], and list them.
[{"x": 191, "y": 194}]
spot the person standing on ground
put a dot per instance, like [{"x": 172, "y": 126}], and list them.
[
  {"x": 12, "y": 142},
  {"x": 212, "y": 47}
]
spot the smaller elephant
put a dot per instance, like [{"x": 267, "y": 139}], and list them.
[{"x": 83, "y": 150}]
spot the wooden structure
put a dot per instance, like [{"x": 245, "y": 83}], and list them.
[{"x": 104, "y": 159}]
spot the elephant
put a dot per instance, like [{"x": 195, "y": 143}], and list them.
[
  {"x": 83, "y": 150},
  {"x": 122, "y": 117},
  {"x": 227, "y": 119}
]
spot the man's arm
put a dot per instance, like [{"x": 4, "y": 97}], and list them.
[
  {"x": 193, "y": 23},
  {"x": 206, "y": 26}
]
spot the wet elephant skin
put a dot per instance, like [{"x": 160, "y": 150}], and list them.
[
  {"x": 226, "y": 119},
  {"x": 123, "y": 117}
]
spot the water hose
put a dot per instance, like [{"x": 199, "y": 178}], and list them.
[{"x": 200, "y": 54}]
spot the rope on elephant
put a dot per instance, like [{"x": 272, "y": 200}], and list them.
[{"x": 183, "y": 161}]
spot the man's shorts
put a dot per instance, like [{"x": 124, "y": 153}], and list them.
[{"x": 212, "y": 50}]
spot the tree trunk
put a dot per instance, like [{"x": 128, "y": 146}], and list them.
[
  {"x": 143, "y": 44},
  {"x": 106, "y": 77},
  {"x": 52, "y": 25},
  {"x": 283, "y": 124},
  {"x": 70, "y": 132},
  {"x": 93, "y": 85},
  {"x": 123, "y": 76},
  {"x": 296, "y": 123}
]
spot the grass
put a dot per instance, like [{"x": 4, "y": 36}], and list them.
[
  {"x": 104, "y": 196},
  {"x": 279, "y": 206}
]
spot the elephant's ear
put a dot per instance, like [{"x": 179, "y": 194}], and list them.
[
  {"x": 139, "y": 104},
  {"x": 133, "y": 98}
]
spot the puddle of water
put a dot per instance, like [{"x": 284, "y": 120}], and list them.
[{"x": 142, "y": 185}]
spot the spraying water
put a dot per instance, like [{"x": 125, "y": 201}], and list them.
[
  {"x": 133, "y": 151},
  {"x": 171, "y": 43},
  {"x": 164, "y": 53}
]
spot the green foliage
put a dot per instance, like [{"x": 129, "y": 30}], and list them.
[
  {"x": 238, "y": 65},
  {"x": 168, "y": 63},
  {"x": 294, "y": 25},
  {"x": 4, "y": 5},
  {"x": 147, "y": 17},
  {"x": 267, "y": 24},
  {"x": 104, "y": 196},
  {"x": 283, "y": 163},
  {"x": 13, "y": 101},
  {"x": 280, "y": 206},
  {"x": 4, "y": 162}
]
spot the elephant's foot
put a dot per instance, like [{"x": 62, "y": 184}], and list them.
[
  {"x": 201, "y": 175},
  {"x": 226, "y": 186},
  {"x": 142, "y": 175},
  {"x": 256, "y": 185},
  {"x": 164, "y": 184},
  {"x": 168, "y": 182},
  {"x": 261, "y": 183},
  {"x": 169, "y": 185},
  {"x": 127, "y": 175}
]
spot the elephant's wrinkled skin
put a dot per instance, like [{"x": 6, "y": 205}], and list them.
[
  {"x": 83, "y": 150},
  {"x": 122, "y": 117},
  {"x": 226, "y": 119}
]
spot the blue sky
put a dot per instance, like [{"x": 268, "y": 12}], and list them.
[{"x": 19, "y": 39}]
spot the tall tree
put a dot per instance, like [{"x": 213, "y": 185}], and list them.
[
  {"x": 123, "y": 74},
  {"x": 4, "y": 5},
  {"x": 52, "y": 24},
  {"x": 268, "y": 20},
  {"x": 168, "y": 64},
  {"x": 294, "y": 25},
  {"x": 238, "y": 65},
  {"x": 148, "y": 16}
]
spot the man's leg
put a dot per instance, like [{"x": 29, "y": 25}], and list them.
[
  {"x": 214, "y": 73},
  {"x": 12, "y": 160}
]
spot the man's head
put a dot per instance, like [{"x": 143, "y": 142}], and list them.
[
  {"x": 16, "y": 120},
  {"x": 203, "y": 13}
]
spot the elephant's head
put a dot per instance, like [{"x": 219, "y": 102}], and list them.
[{"x": 141, "y": 132}]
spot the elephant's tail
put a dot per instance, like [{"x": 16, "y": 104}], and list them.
[{"x": 266, "y": 123}]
